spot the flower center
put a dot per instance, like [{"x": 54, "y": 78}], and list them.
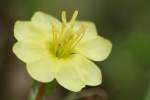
[{"x": 65, "y": 40}]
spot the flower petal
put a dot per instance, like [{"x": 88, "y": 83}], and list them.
[
  {"x": 45, "y": 21},
  {"x": 89, "y": 71},
  {"x": 42, "y": 70},
  {"x": 28, "y": 52},
  {"x": 27, "y": 32},
  {"x": 96, "y": 49},
  {"x": 69, "y": 78},
  {"x": 90, "y": 29},
  {"x": 76, "y": 72}
]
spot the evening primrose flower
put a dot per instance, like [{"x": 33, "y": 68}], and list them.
[{"x": 61, "y": 50}]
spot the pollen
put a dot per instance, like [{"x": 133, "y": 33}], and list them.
[{"x": 65, "y": 39}]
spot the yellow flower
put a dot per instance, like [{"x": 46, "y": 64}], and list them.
[{"x": 61, "y": 51}]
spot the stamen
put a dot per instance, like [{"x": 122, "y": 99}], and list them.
[
  {"x": 63, "y": 17},
  {"x": 54, "y": 32},
  {"x": 64, "y": 22},
  {"x": 80, "y": 33},
  {"x": 64, "y": 41},
  {"x": 74, "y": 16},
  {"x": 55, "y": 40}
]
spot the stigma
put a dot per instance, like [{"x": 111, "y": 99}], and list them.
[{"x": 67, "y": 37}]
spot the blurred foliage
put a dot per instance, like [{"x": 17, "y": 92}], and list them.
[
  {"x": 125, "y": 22},
  {"x": 34, "y": 90},
  {"x": 148, "y": 95},
  {"x": 89, "y": 94}
]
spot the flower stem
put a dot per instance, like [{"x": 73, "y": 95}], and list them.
[{"x": 40, "y": 93}]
